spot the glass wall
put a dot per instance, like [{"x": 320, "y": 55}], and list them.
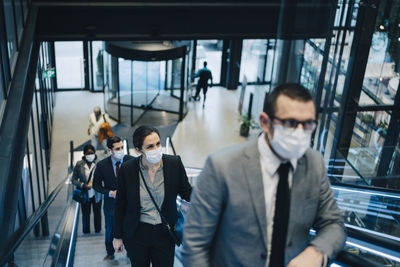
[
  {"x": 69, "y": 65},
  {"x": 34, "y": 177},
  {"x": 367, "y": 160},
  {"x": 139, "y": 91},
  {"x": 10, "y": 30},
  {"x": 210, "y": 51},
  {"x": 253, "y": 62},
  {"x": 97, "y": 66}
]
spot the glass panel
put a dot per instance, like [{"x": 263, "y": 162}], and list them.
[
  {"x": 2, "y": 90},
  {"x": 381, "y": 79},
  {"x": 38, "y": 136},
  {"x": 27, "y": 183},
  {"x": 369, "y": 134},
  {"x": 270, "y": 60},
  {"x": 254, "y": 54},
  {"x": 34, "y": 248},
  {"x": 10, "y": 29},
  {"x": 18, "y": 18},
  {"x": 25, "y": 6},
  {"x": 210, "y": 51},
  {"x": 98, "y": 65},
  {"x": 36, "y": 198},
  {"x": 312, "y": 63},
  {"x": 69, "y": 65}
]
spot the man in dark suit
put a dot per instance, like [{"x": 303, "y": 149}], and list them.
[{"x": 105, "y": 182}]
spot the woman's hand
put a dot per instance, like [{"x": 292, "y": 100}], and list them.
[{"x": 118, "y": 245}]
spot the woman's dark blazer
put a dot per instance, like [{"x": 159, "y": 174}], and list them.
[{"x": 127, "y": 207}]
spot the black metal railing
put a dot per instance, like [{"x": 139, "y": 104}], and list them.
[{"x": 23, "y": 231}]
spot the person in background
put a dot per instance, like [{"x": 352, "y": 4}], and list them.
[
  {"x": 204, "y": 75},
  {"x": 82, "y": 177},
  {"x": 255, "y": 203},
  {"x": 96, "y": 119},
  {"x": 138, "y": 224},
  {"x": 105, "y": 182}
]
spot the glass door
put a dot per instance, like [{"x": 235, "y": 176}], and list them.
[
  {"x": 70, "y": 65},
  {"x": 211, "y": 52}
]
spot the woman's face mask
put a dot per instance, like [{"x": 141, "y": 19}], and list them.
[
  {"x": 290, "y": 143},
  {"x": 90, "y": 157},
  {"x": 153, "y": 156}
]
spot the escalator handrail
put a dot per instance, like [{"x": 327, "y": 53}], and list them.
[
  {"x": 368, "y": 188},
  {"x": 18, "y": 236},
  {"x": 373, "y": 239}
]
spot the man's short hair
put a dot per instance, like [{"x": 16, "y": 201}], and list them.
[
  {"x": 205, "y": 63},
  {"x": 112, "y": 140},
  {"x": 97, "y": 109},
  {"x": 141, "y": 133},
  {"x": 294, "y": 91}
]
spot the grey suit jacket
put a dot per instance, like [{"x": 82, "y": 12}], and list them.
[{"x": 226, "y": 223}]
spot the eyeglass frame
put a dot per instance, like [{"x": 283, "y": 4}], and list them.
[{"x": 295, "y": 123}]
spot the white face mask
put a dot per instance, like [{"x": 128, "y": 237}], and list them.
[
  {"x": 154, "y": 156},
  {"x": 90, "y": 157},
  {"x": 119, "y": 154},
  {"x": 289, "y": 143}
]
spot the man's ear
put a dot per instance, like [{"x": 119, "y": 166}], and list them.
[{"x": 265, "y": 123}]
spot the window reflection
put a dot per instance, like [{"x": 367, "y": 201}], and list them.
[
  {"x": 10, "y": 30},
  {"x": 381, "y": 79},
  {"x": 254, "y": 56}
]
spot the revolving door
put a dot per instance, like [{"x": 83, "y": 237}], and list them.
[{"x": 145, "y": 82}]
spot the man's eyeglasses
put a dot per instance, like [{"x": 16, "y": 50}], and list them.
[{"x": 308, "y": 125}]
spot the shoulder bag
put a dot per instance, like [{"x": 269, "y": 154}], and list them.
[
  {"x": 171, "y": 231},
  {"x": 79, "y": 193}
]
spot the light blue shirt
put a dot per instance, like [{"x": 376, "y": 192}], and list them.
[{"x": 114, "y": 164}]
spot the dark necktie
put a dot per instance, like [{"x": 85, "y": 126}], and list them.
[
  {"x": 281, "y": 218},
  {"x": 117, "y": 168}
]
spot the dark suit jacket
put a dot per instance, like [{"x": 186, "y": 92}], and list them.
[
  {"x": 127, "y": 207},
  {"x": 105, "y": 181}
]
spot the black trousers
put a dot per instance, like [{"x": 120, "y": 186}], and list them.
[
  {"x": 151, "y": 243},
  {"x": 200, "y": 86},
  {"x": 86, "y": 215}
]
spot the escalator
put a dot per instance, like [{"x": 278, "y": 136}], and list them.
[{"x": 371, "y": 220}]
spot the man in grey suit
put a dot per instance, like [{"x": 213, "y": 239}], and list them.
[{"x": 254, "y": 203}]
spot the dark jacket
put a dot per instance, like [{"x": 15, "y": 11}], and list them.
[
  {"x": 127, "y": 208},
  {"x": 79, "y": 177},
  {"x": 105, "y": 181}
]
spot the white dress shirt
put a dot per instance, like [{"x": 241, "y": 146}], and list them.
[
  {"x": 269, "y": 167},
  {"x": 87, "y": 173}
]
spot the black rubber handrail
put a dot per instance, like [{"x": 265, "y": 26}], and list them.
[
  {"x": 18, "y": 236},
  {"x": 355, "y": 260},
  {"x": 368, "y": 188},
  {"x": 373, "y": 239}
]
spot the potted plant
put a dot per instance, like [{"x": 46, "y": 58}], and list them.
[{"x": 246, "y": 123}]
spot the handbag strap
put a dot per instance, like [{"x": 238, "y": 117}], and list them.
[
  {"x": 91, "y": 174},
  {"x": 152, "y": 199}
]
